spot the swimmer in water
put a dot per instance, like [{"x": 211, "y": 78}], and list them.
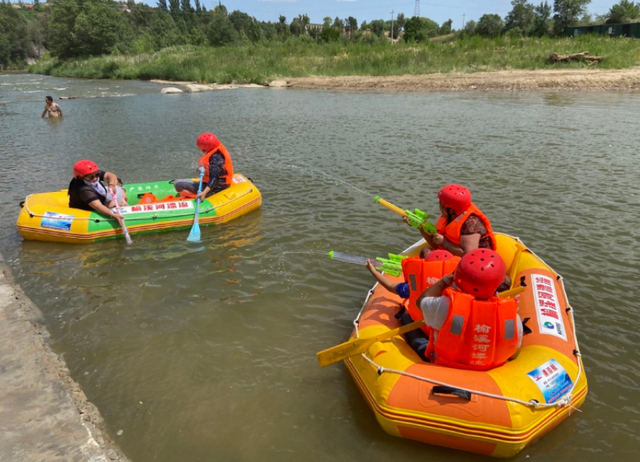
[{"x": 51, "y": 108}]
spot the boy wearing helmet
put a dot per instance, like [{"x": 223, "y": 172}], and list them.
[
  {"x": 419, "y": 273},
  {"x": 87, "y": 192},
  {"x": 462, "y": 227},
  {"x": 472, "y": 327},
  {"x": 218, "y": 169}
]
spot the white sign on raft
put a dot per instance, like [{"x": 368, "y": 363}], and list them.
[
  {"x": 547, "y": 307},
  {"x": 552, "y": 380},
  {"x": 159, "y": 207}
]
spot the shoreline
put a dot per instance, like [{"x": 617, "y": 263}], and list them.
[
  {"x": 542, "y": 80},
  {"x": 44, "y": 414},
  {"x": 545, "y": 80}
]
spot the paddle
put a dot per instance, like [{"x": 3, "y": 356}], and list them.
[
  {"x": 194, "y": 235},
  {"x": 360, "y": 345},
  {"x": 127, "y": 237}
]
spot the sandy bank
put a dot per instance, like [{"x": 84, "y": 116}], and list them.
[
  {"x": 516, "y": 80},
  {"x": 44, "y": 414}
]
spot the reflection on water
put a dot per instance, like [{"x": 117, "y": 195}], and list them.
[{"x": 195, "y": 350}]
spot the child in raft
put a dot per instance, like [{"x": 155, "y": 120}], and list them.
[{"x": 419, "y": 274}]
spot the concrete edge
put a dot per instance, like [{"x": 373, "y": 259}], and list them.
[{"x": 44, "y": 413}]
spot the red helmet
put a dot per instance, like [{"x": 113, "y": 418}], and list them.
[
  {"x": 480, "y": 272},
  {"x": 439, "y": 255},
  {"x": 208, "y": 141},
  {"x": 84, "y": 168},
  {"x": 456, "y": 197}
]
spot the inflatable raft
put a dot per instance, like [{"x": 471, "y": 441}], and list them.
[
  {"x": 497, "y": 412},
  {"x": 47, "y": 216}
]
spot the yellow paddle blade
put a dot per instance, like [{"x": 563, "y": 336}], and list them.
[{"x": 360, "y": 345}]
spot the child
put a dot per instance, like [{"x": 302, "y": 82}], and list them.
[{"x": 419, "y": 274}]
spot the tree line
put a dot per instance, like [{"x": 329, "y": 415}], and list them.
[{"x": 69, "y": 29}]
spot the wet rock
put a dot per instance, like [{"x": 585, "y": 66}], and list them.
[
  {"x": 196, "y": 88},
  {"x": 170, "y": 90},
  {"x": 279, "y": 84}
]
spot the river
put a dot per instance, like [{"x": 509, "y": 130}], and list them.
[{"x": 207, "y": 352}]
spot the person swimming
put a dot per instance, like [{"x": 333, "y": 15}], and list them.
[{"x": 51, "y": 108}]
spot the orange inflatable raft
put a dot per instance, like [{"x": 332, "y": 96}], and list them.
[{"x": 497, "y": 412}]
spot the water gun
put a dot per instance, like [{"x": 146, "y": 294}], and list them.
[
  {"x": 391, "y": 265},
  {"x": 417, "y": 218}
]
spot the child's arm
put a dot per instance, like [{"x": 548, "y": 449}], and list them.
[{"x": 383, "y": 281}]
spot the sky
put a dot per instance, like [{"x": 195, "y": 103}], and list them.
[{"x": 366, "y": 10}]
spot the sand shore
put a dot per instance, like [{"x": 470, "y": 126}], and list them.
[{"x": 503, "y": 81}]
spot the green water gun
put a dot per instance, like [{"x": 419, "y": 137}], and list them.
[
  {"x": 418, "y": 219},
  {"x": 391, "y": 265}
]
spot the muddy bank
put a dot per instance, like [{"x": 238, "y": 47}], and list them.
[
  {"x": 44, "y": 415},
  {"x": 537, "y": 80}
]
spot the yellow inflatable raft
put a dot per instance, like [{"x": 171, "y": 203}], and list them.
[
  {"x": 47, "y": 216},
  {"x": 497, "y": 412}
]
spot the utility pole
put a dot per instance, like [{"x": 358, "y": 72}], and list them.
[
  {"x": 416, "y": 11},
  {"x": 463, "y": 15},
  {"x": 391, "y": 27}
]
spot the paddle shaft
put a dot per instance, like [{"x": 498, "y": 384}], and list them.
[
  {"x": 194, "y": 235},
  {"x": 127, "y": 237},
  {"x": 360, "y": 345}
]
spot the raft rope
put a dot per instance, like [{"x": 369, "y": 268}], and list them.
[
  {"x": 152, "y": 217},
  {"x": 565, "y": 400}
]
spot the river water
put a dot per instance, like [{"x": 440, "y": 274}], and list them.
[{"x": 207, "y": 352}]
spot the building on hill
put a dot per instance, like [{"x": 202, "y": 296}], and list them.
[{"x": 611, "y": 30}]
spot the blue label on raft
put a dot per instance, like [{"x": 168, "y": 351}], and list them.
[
  {"x": 552, "y": 380},
  {"x": 57, "y": 221}
]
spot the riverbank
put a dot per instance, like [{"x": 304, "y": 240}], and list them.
[
  {"x": 265, "y": 63},
  {"x": 44, "y": 414},
  {"x": 538, "y": 80}
]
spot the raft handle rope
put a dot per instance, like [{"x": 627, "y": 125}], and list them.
[
  {"x": 98, "y": 220},
  {"x": 564, "y": 401}
]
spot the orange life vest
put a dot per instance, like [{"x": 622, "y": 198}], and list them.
[
  {"x": 452, "y": 230},
  {"x": 477, "y": 334},
  {"x": 420, "y": 275},
  {"x": 228, "y": 166}
]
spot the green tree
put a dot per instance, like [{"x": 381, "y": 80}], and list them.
[
  {"x": 329, "y": 34},
  {"x": 470, "y": 28},
  {"x": 221, "y": 9},
  {"x": 418, "y": 29},
  {"x": 241, "y": 21},
  {"x": 96, "y": 29},
  {"x": 221, "y": 31},
  {"x": 162, "y": 30},
  {"x": 446, "y": 27},
  {"x": 326, "y": 22},
  {"x": 400, "y": 21},
  {"x": 624, "y": 11},
  {"x": 566, "y": 13},
  {"x": 14, "y": 43},
  {"x": 162, "y": 4},
  {"x": 174, "y": 8},
  {"x": 490, "y": 25},
  {"x": 377, "y": 27},
  {"x": 296, "y": 27},
  {"x": 36, "y": 6},
  {"x": 338, "y": 24},
  {"x": 352, "y": 26},
  {"x": 185, "y": 6},
  {"x": 281, "y": 26},
  {"x": 254, "y": 32},
  {"x": 542, "y": 20},
  {"x": 521, "y": 16}
]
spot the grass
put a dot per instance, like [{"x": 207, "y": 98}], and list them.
[{"x": 263, "y": 63}]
